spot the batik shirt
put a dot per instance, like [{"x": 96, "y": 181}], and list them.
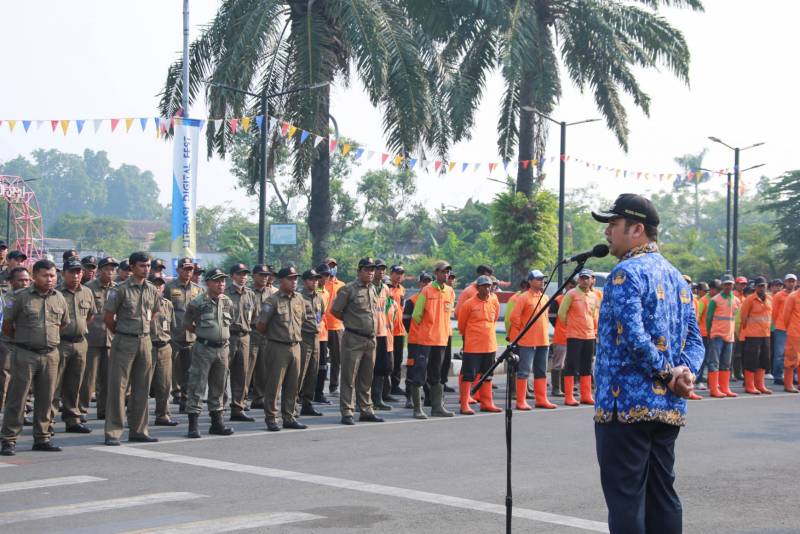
[{"x": 647, "y": 324}]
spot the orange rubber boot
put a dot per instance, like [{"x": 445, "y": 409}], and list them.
[
  {"x": 788, "y": 380},
  {"x": 586, "y": 390},
  {"x": 463, "y": 396},
  {"x": 749, "y": 383},
  {"x": 725, "y": 384},
  {"x": 476, "y": 398},
  {"x": 759, "y": 383},
  {"x": 522, "y": 390},
  {"x": 487, "y": 404},
  {"x": 569, "y": 391},
  {"x": 713, "y": 385},
  {"x": 694, "y": 396},
  {"x": 540, "y": 392}
]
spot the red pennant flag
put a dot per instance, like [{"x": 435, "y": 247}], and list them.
[
  {"x": 285, "y": 130},
  {"x": 114, "y": 123},
  {"x": 437, "y": 165},
  {"x": 234, "y": 125},
  {"x": 384, "y": 157},
  {"x": 332, "y": 146},
  {"x": 492, "y": 167},
  {"x": 54, "y": 125},
  {"x": 525, "y": 163}
]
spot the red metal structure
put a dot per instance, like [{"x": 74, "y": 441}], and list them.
[{"x": 24, "y": 217}]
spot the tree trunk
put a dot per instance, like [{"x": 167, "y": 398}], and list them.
[
  {"x": 697, "y": 205},
  {"x": 320, "y": 210},
  {"x": 526, "y": 137}
]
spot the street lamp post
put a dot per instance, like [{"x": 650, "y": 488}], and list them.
[
  {"x": 736, "y": 175},
  {"x": 562, "y": 172}
]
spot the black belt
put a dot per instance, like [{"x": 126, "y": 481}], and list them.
[
  {"x": 130, "y": 335},
  {"x": 289, "y": 343},
  {"x": 159, "y": 344},
  {"x": 72, "y": 339},
  {"x": 359, "y": 333},
  {"x": 36, "y": 350},
  {"x": 239, "y": 333},
  {"x": 212, "y": 344}
]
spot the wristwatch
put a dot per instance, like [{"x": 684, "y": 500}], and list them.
[{"x": 665, "y": 375}]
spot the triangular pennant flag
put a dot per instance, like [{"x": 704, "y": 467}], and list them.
[
  {"x": 451, "y": 166},
  {"x": 64, "y": 126},
  {"x": 398, "y": 159},
  {"x": 464, "y": 167},
  {"x": 246, "y": 124},
  {"x": 11, "y": 124},
  {"x": 384, "y": 157},
  {"x": 97, "y": 124},
  {"x": 411, "y": 163},
  {"x": 437, "y": 165},
  {"x": 505, "y": 165},
  {"x": 345, "y": 149},
  {"x": 476, "y": 167},
  {"x": 234, "y": 123},
  {"x": 492, "y": 167},
  {"x": 292, "y": 131},
  {"x": 26, "y": 125},
  {"x": 128, "y": 123},
  {"x": 143, "y": 123},
  {"x": 1, "y": 122},
  {"x": 217, "y": 124},
  {"x": 79, "y": 124},
  {"x": 317, "y": 140},
  {"x": 303, "y": 136},
  {"x": 284, "y": 129},
  {"x": 259, "y": 121},
  {"x": 535, "y": 162},
  {"x": 370, "y": 154},
  {"x": 54, "y": 125},
  {"x": 114, "y": 123},
  {"x": 359, "y": 153},
  {"x": 525, "y": 163},
  {"x": 332, "y": 146},
  {"x": 39, "y": 124}
]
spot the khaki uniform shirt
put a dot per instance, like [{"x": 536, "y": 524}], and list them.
[
  {"x": 162, "y": 327},
  {"x": 211, "y": 318},
  {"x": 284, "y": 316},
  {"x": 260, "y": 296},
  {"x": 180, "y": 295},
  {"x": 245, "y": 308},
  {"x": 80, "y": 305},
  {"x": 37, "y": 319},
  {"x": 314, "y": 312},
  {"x": 99, "y": 335},
  {"x": 357, "y": 303},
  {"x": 135, "y": 305}
]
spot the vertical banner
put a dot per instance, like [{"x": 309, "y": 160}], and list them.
[{"x": 186, "y": 144}]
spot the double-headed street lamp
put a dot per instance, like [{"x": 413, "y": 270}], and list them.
[
  {"x": 736, "y": 174},
  {"x": 562, "y": 171},
  {"x": 262, "y": 193}
]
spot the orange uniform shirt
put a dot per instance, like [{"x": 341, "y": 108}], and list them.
[
  {"x": 791, "y": 314},
  {"x": 432, "y": 313},
  {"x": 466, "y": 294},
  {"x": 323, "y": 328},
  {"x": 702, "y": 306},
  {"x": 755, "y": 316},
  {"x": 332, "y": 287},
  {"x": 560, "y": 329},
  {"x": 580, "y": 309},
  {"x": 381, "y": 320},
  {"x": 524, "y": 309},
  {"x": 723, "y": 322},
  {"x": 398, "y": 295},
  {"x": 477, "y": 322},
  {"x": 778, "y": 302}
]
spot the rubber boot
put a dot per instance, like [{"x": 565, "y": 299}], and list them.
[
  {"x": 487, "y": 404},
  {"x": 476, "y": 397},
  {"x": 386, "y": 396},
  {"x": 725, "y": 384},
  {"x": 586, "y": 390},
  {"x": 569, "y": 391},
  {"x": 694, "y": 396},
  {"x": 749, "y": 383},
  {"x": 217, "y": 426},
  {"x": 470, "y": 400},
  {"x": 540, "y": 391},
  {"x": 463, "y": 396},
  {"x": 555, "y": 383},
  {"x": 377, "y": 395},
  {"x": 194, "y": 432},
  {"x": 437, "y": 402},
  {"x": 416, "y": 399},
  {"x": 737, "y": 367},
  {"x": 522, "y": 387},
  {"x": 788, "y": 380},
  {"x": 426, "y": 390},
  {"x": 713, "y": 385},
  {"x": 759, "y": 383}
]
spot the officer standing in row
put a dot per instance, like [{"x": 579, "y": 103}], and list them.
[
  {"x": 19, "y": 278},
  {"x": 124, "y": 271},
  {"x": 95, "y": 376},
  {"x": 239, "y": 358},
  {"x": 15, "y": 258},
  {"x": 160, "y": 330},
  {"x": 263, "y": 276},
  {"x": 180, "y": 291},
  {"x": 281, "y": 321},
  {"x": 33, "y": 323},
  {"x": 129, "y": 310},
  {"x": 309, "y": 346},
  {"x": 335, "y": 327},
  {"x": 209, "y": 316},
  {"x": 89, "y": 265},
  {"x": 73, "y": 346},
  {"x": 355, "y": 305}
]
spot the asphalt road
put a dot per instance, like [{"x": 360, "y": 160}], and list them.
[{"x": 737, "y": 467}]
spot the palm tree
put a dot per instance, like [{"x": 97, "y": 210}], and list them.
[
  {"x": 269, "y": 45},
  {"x": 596, "y": 44},
  {"x": 692, "y": 163}
]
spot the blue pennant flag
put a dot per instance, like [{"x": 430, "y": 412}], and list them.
[
  {"x": 259, "y": 120},
  {"x": 411, "y": 163},
  {"x": 359, "y": 153},
  {"x": 143, "y": 122},
  {"x": 304, "y": 136},
  {"x": 79, "y": 123},
  {"x": 26, "y": 125}
]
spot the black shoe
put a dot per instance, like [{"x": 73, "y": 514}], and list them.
[
  {"x": 389, "y": 398},
  {"x": 28, "y": 407},
  {"x": 333, "y": 389},
  {"x": 246, "y": 409},
  {"x": 78, "y": 429},
  {"x": 142, "y": 439},
  {"x": 777, "y": 382},
  {"x": 165, "y": 422},
  {"x": 112, "y": 442},
  {"x": 307, "y": 409},
  {"x": 257, "y": 405},
  {"x": 369, "y": 418},
  {"x": 397, "y": 390},
  {"x": 448, "y": 389},
  {"x": 321, "y": 399},
  {"x": 348, "y": 420},
  {"x": 239, "y": 416},
  {"x": 217, "y": 427},
  {"x": 494, "y": 386},
  {"x": 45, "y": 447},
  {"x": 101, "y": 416},
  {"x": 9, "y": 449},
  {"x": 27, "y": 421},
  {"x": 83, "y": 418},
  {"x": 93, "y": 399},
  {"x": 294, "y": 425},
  {"x": 273, "y": 426}
]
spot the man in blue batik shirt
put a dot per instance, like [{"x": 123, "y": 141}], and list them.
[{"x": 649, "y": 348}]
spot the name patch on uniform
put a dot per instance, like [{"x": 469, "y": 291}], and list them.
[
  {"x": 660, "y": 292},
  {"x": 176, "y": 293}
]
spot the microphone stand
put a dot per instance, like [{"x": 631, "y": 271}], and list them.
[{"x": 511, "y": 357}]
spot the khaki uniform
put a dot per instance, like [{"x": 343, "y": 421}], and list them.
[
  {"x": 135, "y": 306},
  {"x": 239, "y": 348},
  {"x": 37, "y": 320},
  {"x": 95, "y": 376},
  {"x": 357, "y": 303},
  {"x": 5, "y": 354},
  {"x": 72, "y": 350},
  {"x": 180, "y": 295},
  {"x": 283, "y": 316},
  {"x": 212, "y": 320},
  {"x": 257, "y": 373},
  {"x": 309, "y": 345},
  {"x": 160, "y": 334}
]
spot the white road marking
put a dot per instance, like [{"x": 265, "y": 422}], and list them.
[
  {"x": 48, "y": 483},
  {"x": 355, "y": 485},
  {"x": 18, "y": 516},
  {"x": 231, "y": 524},
  {"x": 7, "y": 465}
]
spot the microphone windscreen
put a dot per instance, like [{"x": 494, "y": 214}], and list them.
[{"x": 600, "y": 251}]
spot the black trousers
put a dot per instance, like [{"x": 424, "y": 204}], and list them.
[
  {"x": 334, "y": 357},
  {"x": 322, "y": 373},
  {"x": 397, "y": 354},
  {"x": 474, "y": 363},
  {"x": 579, "y": 357},
  {"x": 447, "y": 360},
  {"x": 427, "y": 365},
  {"x": 756, "y": 353},
  {"x": 637, "y": 475},
  {"x": 383, "y": 358}
]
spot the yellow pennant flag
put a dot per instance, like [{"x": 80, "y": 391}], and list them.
[
  {"x": 451, "y": 166},
  {"x": 398, "y": 159},
  {"x": 128, "y": 123},
  {"x": 292, "y": 131},
  {"x": 11, "y": 124},
  {"x": 246, "y": 123},
  {"x": 64, "y": 126},
  {"x": 345, "y": 150}
]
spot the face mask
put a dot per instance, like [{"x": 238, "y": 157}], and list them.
[{"x": 333, "y": 272}]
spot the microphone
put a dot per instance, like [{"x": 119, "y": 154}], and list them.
[{"x": 599, "y": 251}]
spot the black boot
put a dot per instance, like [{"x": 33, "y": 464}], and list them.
[
  {"x": 387, "y": 390},
  {"x": 193, "y": 430},
  {"x": 217, "y": 426},
  {"x": 377, "y": 394}
]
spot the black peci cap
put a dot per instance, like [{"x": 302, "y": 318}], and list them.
[
  {"x": 425, "y": 277},
  {"x": 17, "y": 255},
  {"x": 184, "y": 262},
  {"x": 629, "y": 206},
  {"x": 237, "y": 268},
  {"x": 323, "y": 269},
  {"x": 72, "y": 264},
  {"x": 263, "y": 269},
  {"x": 89, "y": 261},
  {"x": 158, "y": 264}
]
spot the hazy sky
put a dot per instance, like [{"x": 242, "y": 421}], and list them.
[{"x": 108, "y": 58}]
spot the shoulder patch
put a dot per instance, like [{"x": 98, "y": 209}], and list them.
[
  {"x": 619, "y": 278},
  {"x": 660, "y": 293},
  {"x": 685, "y": 297}
]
